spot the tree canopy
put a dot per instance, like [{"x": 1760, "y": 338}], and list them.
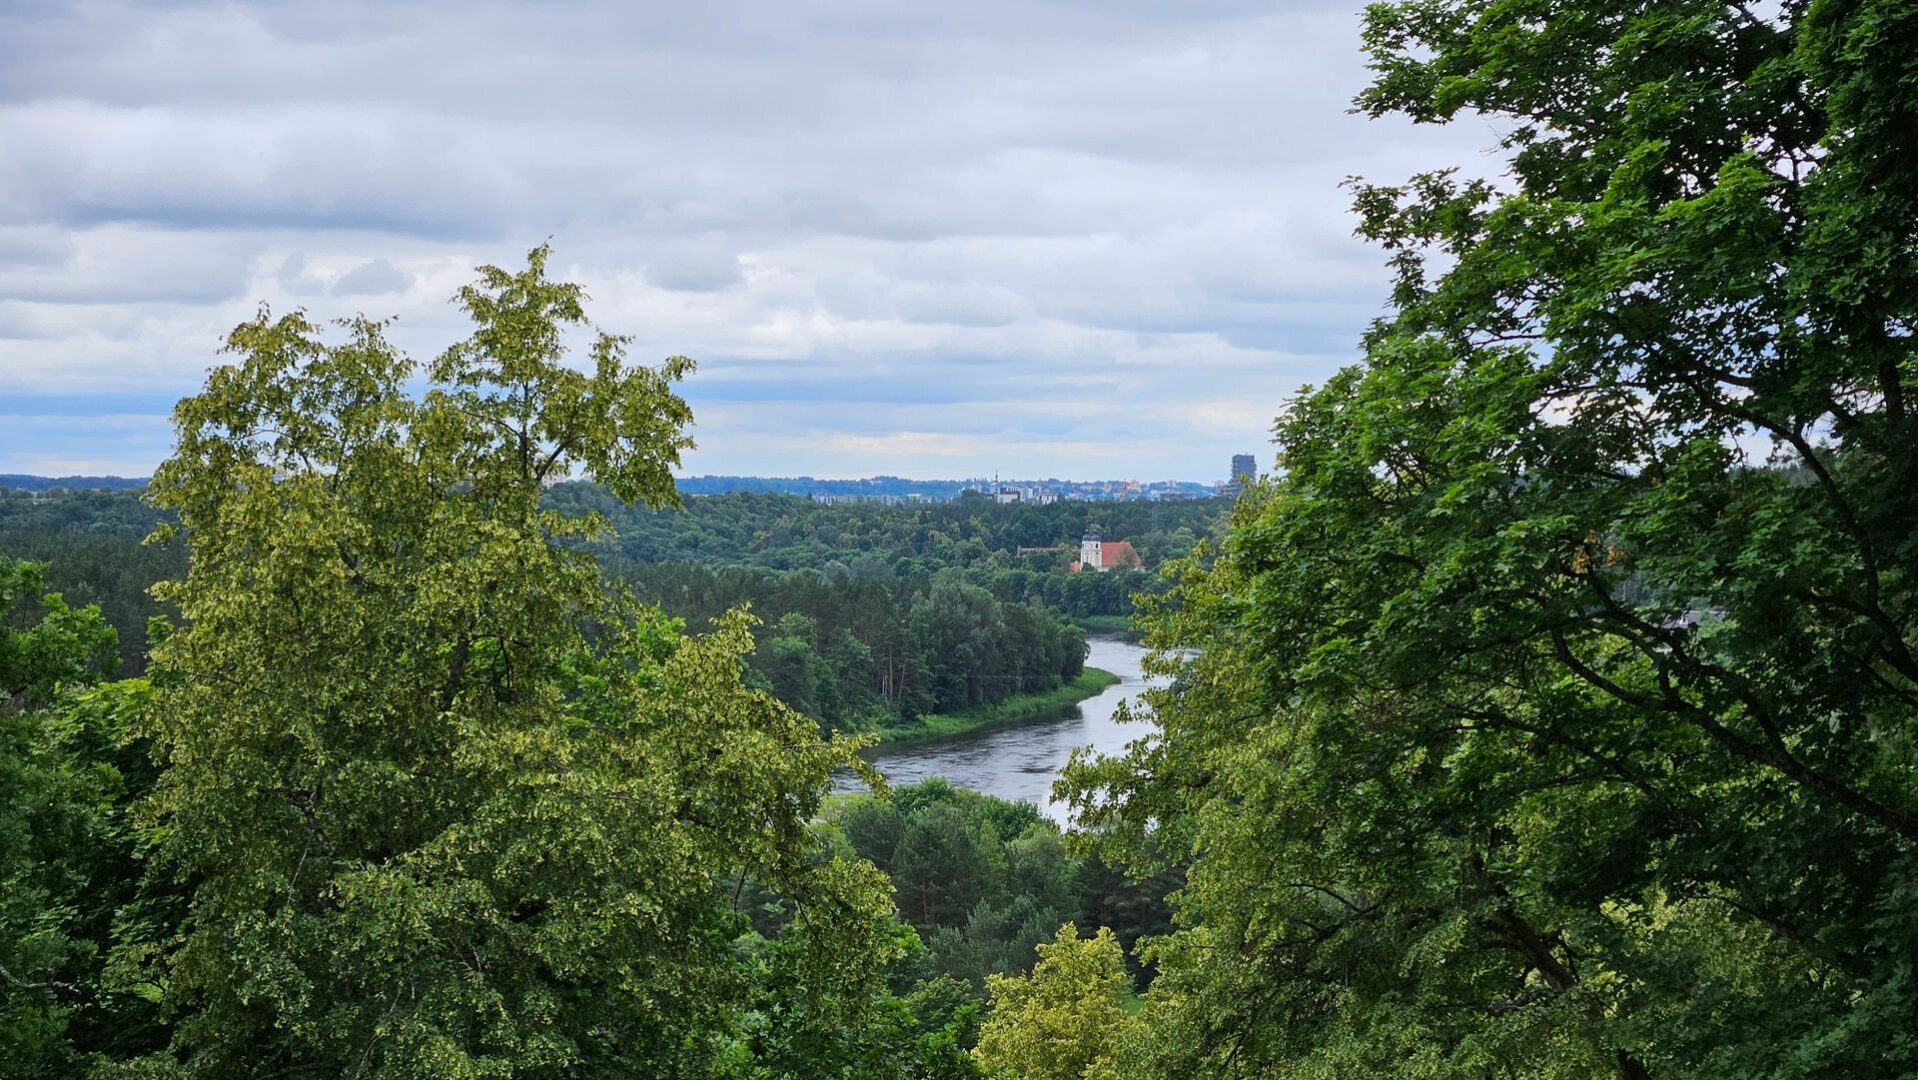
[
  {"x": 1063, "y": 1021},
  {"x": 63, "y": 845},
  {"x": 1554, "y": 710},
  {"x": 443, "y": 801}
]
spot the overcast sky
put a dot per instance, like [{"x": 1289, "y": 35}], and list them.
[{"x": 1100, "y": 240}]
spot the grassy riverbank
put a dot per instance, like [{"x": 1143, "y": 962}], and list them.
[
  {"x": 1104, "y": 624},
  {"x": 1013, "y": 710}
]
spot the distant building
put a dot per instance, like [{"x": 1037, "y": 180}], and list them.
[
  {"x": 1100, "y": 555},
  {"x": 1031, "y": 496},
  {"x": 829, "y": 498},
  {"x": 1245, "y": 467}
]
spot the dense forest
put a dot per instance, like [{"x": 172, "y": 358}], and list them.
[
  {"x": 869, "y": 644},
  {"x": 857, "y": 653},
  {"x": 1552, "y": 711},
  {"x": 787, "y": 532},
  {"x": 90, "y": 544}
]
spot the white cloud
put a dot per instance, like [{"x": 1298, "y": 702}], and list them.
[{"x": 1091, "y": 238}]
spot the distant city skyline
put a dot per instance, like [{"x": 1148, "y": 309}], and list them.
[
  {"x": 703, "y": 482},
  {"x": 1071, "y": 239}
]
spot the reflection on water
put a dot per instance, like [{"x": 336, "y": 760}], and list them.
[{"x": 1021, "y": 762}]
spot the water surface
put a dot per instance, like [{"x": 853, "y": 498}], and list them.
[{"x": 1022, "y": 761}]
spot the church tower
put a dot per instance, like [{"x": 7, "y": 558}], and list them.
[{"x": 1089, "y": 551}]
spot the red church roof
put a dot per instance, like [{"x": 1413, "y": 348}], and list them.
[{"x": 1112, "y": 554}]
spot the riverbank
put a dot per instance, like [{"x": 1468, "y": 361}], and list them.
[
  {"x": 1020, "y": 761},
  {"x": 1016, "y": 709},
  {"x": 1120, "y": 625}
]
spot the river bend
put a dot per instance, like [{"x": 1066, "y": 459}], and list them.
[{"x": 1021, "y": 762}]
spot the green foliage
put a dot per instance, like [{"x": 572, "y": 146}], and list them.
[
  {"x": 977, "y": 651},
  {"x": 920, "y": 1035},
  {"x": 857, "y": 571},
  {"x": 1065, "y": 1021},
  {"x": 983, "y": 881},
  {"x": 65, "y": 854},
  {"x": 976, "y": 536},
  {"x": 121, "y": 515},
  {"x": 1015, "y": 709},
  {"x": 89, "y": 545},
  {"x": 443, "y": 803},
  {"x": 1534, "y": 721},
  {"x": 45, "y": 642},
  {"x": 859, "y": 653}
]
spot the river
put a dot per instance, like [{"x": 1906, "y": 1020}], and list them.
[{"x": 1021, "y": 762}]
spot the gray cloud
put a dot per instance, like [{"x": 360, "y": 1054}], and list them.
[
  {"x": 1089, "y": 238},
  {"x": 376, "y": 278}
]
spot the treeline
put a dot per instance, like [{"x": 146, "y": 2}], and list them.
[
  {"x": 779, "y": 532},
  {"x": 21, "y": 482},
  {"x": 854, "y": 646},
  {"x": 90, "y": 545},
  {"x": 1079, "y": 596},
  {"x": 789, "y": 532},
  {"x": 861, "y": 652}
]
